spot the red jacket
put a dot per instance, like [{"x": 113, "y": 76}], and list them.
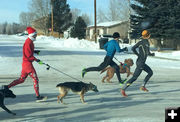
[{"x": 28, "y": 51}]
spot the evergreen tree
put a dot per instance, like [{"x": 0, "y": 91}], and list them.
[
  {"x": 142, "y": 18},
  {"x": 160, "y": 17},
  {"x": 79, "y": 29},
  {"x": 62, "y": 17}
]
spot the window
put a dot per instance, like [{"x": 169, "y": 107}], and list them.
[
  {"x": 87, "y": 32},
  {"x": 98, "y": 32},
  {"x": 105, "y": 31}
]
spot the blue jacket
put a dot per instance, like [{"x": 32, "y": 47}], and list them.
[{"x": 112, "y": 47}]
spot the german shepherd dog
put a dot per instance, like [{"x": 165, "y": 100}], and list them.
[
  {"x": 76, "y": 87},
  {"x": 6, "y": 93}
]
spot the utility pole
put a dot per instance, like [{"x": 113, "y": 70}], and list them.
[
  {"x": 95, "y": 35},
  {"x": 129, "y": 28},
  {"x": 52, "y": 27}
]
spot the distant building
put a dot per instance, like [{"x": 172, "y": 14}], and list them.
[{"x": 108, "y": 28}]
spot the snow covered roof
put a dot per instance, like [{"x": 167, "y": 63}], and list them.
[{"x": 107, "y": 24}]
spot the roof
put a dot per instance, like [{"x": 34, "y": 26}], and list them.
[{"x": 107, "y": 24}]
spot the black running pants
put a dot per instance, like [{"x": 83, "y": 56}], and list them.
[
  {"x": 140, "y": 67},
  {"x": 107, "y": 61}
]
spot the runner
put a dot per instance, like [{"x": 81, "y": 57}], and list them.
[
  {"x": 27, "y": 66},
  {"x": 111, "y": 48},
  {"x": 144, "y": 51}
]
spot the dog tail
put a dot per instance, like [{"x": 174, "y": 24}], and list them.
[{"x": 103, "y": 70}]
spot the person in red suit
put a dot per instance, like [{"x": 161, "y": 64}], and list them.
[{"x": 27, "y": 66}]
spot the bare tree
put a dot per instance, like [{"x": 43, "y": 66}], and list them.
[
  {"x": 124, "y": 9},
  {"x": 16, "y": 28},
  {"x": 113, "y": 12},
  {"x": 3, "y": 29},
  {"x": 86, "y": 19},
  {"x": 9, "y": 29},
  {"x": 26, "y": 18},
  {"x": 101, "y": 16},
  {"x": 41, "y": 10},
  {"x": 23, "y": 18},
  {"x": 117, "y": 10},
  {"x": 75, "y": 14}
]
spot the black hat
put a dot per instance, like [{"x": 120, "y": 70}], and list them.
[{"x": 116, "y": 35}]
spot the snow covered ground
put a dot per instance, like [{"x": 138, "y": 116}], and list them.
[{"x": 71, "y": 56}]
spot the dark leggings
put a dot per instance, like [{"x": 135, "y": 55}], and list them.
[
  {"x": 107, "y": 61},
  {"x": 140, "y": 67}
]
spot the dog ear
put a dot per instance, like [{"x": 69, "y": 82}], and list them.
[
  {"x": 126, "y": 60},
  {"x": 91, "y": 84},
  {"x": 131, "y": 60}
]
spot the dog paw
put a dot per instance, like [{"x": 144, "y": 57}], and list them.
[
  {"x": 64, "y": 103},
  {"x": 110, "y": 82},
  {"x": 102, "y": 81}
]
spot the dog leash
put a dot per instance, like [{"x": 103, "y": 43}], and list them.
[
  {"x": 118, "y": 61},
  {"x": 48, "y": 67}
]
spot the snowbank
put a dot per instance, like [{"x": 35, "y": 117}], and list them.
[
  {"x": 72, "y": 43},
  {"x": 169, "y": 54}
]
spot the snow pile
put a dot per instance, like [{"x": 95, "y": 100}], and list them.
[
  {"x": 176, "y": 54},
  {"x": 169, "y": 54},
  {"x": 72, "y": 43}
]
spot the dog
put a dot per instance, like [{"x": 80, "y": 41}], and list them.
[
  {"x": 124, "y": 68},
  {"x": 6, "y": 93},
  {"x": 77, "y": 87}
]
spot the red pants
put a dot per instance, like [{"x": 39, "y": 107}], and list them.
[{"x": 27, "y": 69}]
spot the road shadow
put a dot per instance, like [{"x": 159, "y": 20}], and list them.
[
  {"x": 11, "y": 51},
  {"x": 64, "y": 52},
  {"x": 103, "y": 108},
  {"x": 25, "y": 113},
  {"x": 16, "y": 51},
  {"x": 98, "y": 105}
]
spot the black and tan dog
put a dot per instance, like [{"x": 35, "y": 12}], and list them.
[
  {"x": 77, "y": 87},
  {"x": 6, "y": 93}
]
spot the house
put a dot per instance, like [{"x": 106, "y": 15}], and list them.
[{"x": 108, "y": 28}]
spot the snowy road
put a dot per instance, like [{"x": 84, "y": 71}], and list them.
[{"x": 107, "y": 105}]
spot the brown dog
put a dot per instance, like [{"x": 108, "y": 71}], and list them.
[{"x": 124, "y": 68}]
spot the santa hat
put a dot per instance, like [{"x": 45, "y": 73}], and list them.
[{"x": 31, "y": 31}]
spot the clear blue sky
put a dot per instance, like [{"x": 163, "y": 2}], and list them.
[{"x": 10, "y": 9}]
